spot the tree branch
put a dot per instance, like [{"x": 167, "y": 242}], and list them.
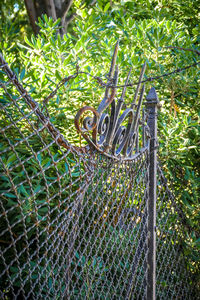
[
  {"x": 69, "y": 19},
  {"x": 30, "y": 7},
  {"x": 65, "y": 8},
  {"x": 93, "y": 2},
  {"x": 51, "y": 10},
  {"x": 185, "y": 49}
]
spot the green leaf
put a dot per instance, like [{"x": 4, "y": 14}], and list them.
[
  {"x": 75, "y": 174},
  {"x": 43, "y": 210},
  {"x": 11, "y": 202},
  {"x": 28, "y": 42},
  {"x": 50, "y": 282},
  {"x": 58, "y": 76},
  {"x": 151, "y": 40},
  {"x": 11, "y": 159},
  {"x": 39, "y": 157},
  {"x": 10, "y": 195},
  {"x": 22, "y": 74},
  {"x": 66, "y": 168},
  {"x": 77, "y": 255},
  {"x": 94, "y": 263},
  {"x": 24, "y": 191},
  {"x": 57, "y": 99},
  {"x": 83, "y": 260},
  {"x": 106, "y": 6},
  {"x": 14, "y": 269}
]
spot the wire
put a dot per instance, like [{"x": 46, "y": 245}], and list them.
[{"x": 109, "y": 85}]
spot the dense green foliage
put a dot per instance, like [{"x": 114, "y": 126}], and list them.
[{"x": 144, "y": 29}]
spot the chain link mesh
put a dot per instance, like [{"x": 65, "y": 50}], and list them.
[
  {"x": 73, "y": 225},
  {"x": 174, "y": 280}
]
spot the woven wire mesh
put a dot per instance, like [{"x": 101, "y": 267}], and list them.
[
  {"x": 174, "y": 279},
  {"x": 72, "y": 225}
]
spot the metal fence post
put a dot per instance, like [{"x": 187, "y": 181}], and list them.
[{"x": 151, "y": 104}]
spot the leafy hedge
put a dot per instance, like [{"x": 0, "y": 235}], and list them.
[{"x": 42, "y": 61}]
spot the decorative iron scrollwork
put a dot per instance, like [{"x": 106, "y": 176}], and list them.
[{"x": 113, "y": 130}]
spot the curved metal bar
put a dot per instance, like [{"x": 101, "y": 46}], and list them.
[
  {"x": 111, "y": 131},
  {"x": 103, "y": 127}
]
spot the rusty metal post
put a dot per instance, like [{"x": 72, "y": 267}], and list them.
[{"x": 151, "y": 104}]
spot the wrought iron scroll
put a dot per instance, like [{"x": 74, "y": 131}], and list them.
[{"x": 112, "y": 130}]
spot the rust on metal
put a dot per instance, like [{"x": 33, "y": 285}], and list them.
[{"x": 105, "y": 130}]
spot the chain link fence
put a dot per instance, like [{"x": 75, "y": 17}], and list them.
[
  {"x": 73, "y": 223},
  {"x": 174, "y": 280}
]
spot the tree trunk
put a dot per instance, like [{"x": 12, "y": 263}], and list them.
[{"x": 52, "y": 8}]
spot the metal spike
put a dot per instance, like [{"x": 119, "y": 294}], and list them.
[
  {"x": 139, "y": 84},
  {"x": 125, "y": 86},
  {"x": 115, "y": 79},
  {"x": 152, "y": 95},
  {"x": 114, "y": 58},
  {"x": 112, "y": 67}
]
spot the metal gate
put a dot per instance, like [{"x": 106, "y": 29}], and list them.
[{"x": 80, "y": 223}]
